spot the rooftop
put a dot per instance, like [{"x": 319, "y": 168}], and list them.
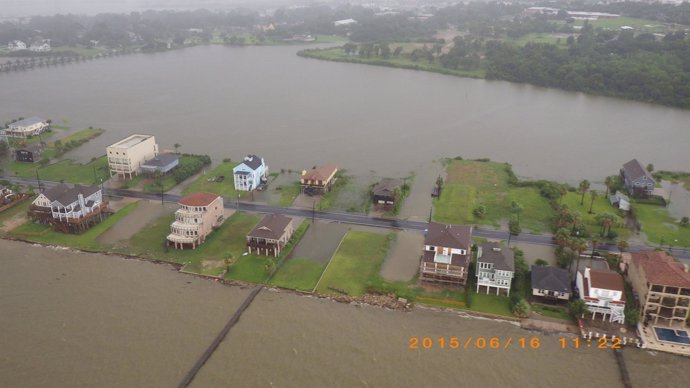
[
  {"x": 130, "y": 141},
  {"x": 252, "y": 161},
  {"x": 386, "y": 187},
  {"x": 634, "y": 170},
  {"x": 501, "y": 257},
  {"x": 272, "y": 226},
  {"x": 661, "y": 268},
  {"x": 28, "y": 121},
  {"x": 606, "y": 280},
  {"x": 161, "y": 160},
  {"x": 449, "y": 236},
  {"x": 198, "y": 199},
  {"x": 320, "y": 173},
  {"x": 66, "y": 195},
  {"x": 550, "y": 278}
]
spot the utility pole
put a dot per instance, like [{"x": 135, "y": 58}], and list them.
[
  {"x": 313, "y": 210},
  {"x": 430, "y": 210},
  {"x": 38, "y": 180}
]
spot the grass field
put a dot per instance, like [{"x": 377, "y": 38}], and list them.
[
  {"x": 601, "y": 205},
  {"x": 552, "y": 311},
  {"x": 660, "y": 227},
  {"x": 66, "y": 170},
  {"x": 46, "y": 235},
  {"x": 20, "y": 208},
  {"x": 492, "y": 304},
  {"x": 225, "y": 188},
  {"x": 298, "y": 274},
  {"x": 74, "y": 139},
  {"x": 640, "y": 25},
  {"x": 472, "y": 183},
  {"x": 539, "y": 38},
  {"x": 357, "y": 260}
]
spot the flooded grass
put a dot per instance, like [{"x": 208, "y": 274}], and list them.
[
  {"x": 357, "y": 260},
  {"x": 298, "y": 274},
  {"x": 14, "y": 216},
  {"x": 224, "y": 188},
  {"x": 660, "y": 227},
  {"x": 320, "y": 242},
  {"x": 130, "y": 225},
  {"x": 350, "y": 194},
  {"x": 402, "y": 262}
]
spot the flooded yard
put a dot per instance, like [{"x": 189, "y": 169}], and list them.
[
  {"x": 320, "y": 242},
  {"x": 403, "y": 258},
  {"x": 418, "y": 203},
  {"x": 146, "y": 212}
]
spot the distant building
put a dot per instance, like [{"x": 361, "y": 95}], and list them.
[
  {"x": 603, "y": 292},
  {"x": 386, "y": 193},
  {"x": 495, "y": 267},
  {"x": 636, "y": 179},
  {"x": 29, "y": 154},
  {"x": 663, "y": 287},
  {"x": 319, "y": 179},
  {"x": 551, "y": 282},
  {"x": 41, "y": 47},
  {"x": 591, "y": 15},
  {"x": 28, "y": 127},
  {"x": 198, "y": 214},
  {"x": 162, "y": 163},
  {"x": 69, "y": 209},
  {"x": 251, "y": 173},
  {"x": 541, "y": 11},
  {"x": 16, "y": 45},
  {"x": 126, "y": 157},
  {"x": 446, "y": 254},
  {"x": 6, "y": 195},
  {"x": 270, "y": 235},
  {"x": 344, "y": 22}
]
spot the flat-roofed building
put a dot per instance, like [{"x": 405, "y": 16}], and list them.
[
  {"x": 28, "y": 127},
  {"x": 126, "y": 157}
]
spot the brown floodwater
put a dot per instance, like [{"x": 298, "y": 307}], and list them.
[{"x": 73, "y": 319}]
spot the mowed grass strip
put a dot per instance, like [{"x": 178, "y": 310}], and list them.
[
  {"x": 46, "y": 235},
  {"x": 298, "y": 274},
  {"x": 356, "y": 262},
  {"x": 472, "y": 183},
  {"x": 225, "y": 188}
]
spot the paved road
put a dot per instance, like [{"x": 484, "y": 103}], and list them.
[{"x": 357, "y": 219}]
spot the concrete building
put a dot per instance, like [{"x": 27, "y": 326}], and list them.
[
  {"x": 28, "y": 127},
  {"x": 198, "y": 215},
  {"x": 495, "y": 267},
  {"x": 126, "y": 157}
]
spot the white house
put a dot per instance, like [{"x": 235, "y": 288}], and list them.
[
  {"x": 495, "y": 267},
  {"x": 16, "y": 45},
  {"x": 344, "y": 22},
  {"x": 66, "y": 203},
  {"x": 603, "y": 292},
  {"x": 620, "y": 201},
  {"x": 41, "y": 47},
  {"x": 27, "y": 127},
  {"x": 250, "y": 173}
]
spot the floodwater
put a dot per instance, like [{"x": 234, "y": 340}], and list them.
[
  {"x": 320, "y": 241},
  {"x": 75, "y": 319},
  {"x": 145, "y": 213},
  {"x": 297, "y": 112},
  {"x": 402, "y": 261}
]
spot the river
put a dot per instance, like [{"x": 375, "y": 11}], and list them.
[
  {"x": 79, "y": 319},
  {"x": 298, "y": 112}
]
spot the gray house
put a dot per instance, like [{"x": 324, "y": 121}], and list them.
[
  {"x": 162, "y": 163},
  {"x": 551, "y": 282},
  {"x": 636, "y": 179},
  {"x": 495, "y": 267}
]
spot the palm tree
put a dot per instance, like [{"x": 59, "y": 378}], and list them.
[
  {"x": 622, "y": 246},
  {"x": 593, "y": 194},
  {"x": 578, "y": 245},
  {"x": 584, "y": 186},
  {"x": 177, "y": 146},
  {"x": 606, "y": 220}
]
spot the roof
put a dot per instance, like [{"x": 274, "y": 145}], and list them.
[
  {"x": 606, "y": 280},
  {"x": 455, "y": 259},
  {"x": 320, "y": 173},
  {"x": 634, "y": 170},
  {"x": 66, "y": 195},
  {"x": 161, "y": 160},
  {"x": 550, "y": 278},
  {"x": 449, "y": 236},
  {"x": 198, "y": 199},
  {"x": 252, "y": 161},
  {"x": 386, "y": 187},
  {"x": 130, "y": 141},
  {"x": 28, "y": 121},
  {"x": 661, "y": 268},
  {"x": 33, "y": 148},
  {"x": 272, "y": 226},
  {"x": 501, "y": 257}
]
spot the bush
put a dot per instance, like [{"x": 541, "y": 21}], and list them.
[
  {"x": 684, "y": 222},
  {"x": 577, "y": 308},
  {"x": 632, "y": 316},
  {"x": 541, "y": 263},
  {"x": 514, "y": 227},
  {"x": 521, "y": 309},
  {"x": 479, "y": 211}
]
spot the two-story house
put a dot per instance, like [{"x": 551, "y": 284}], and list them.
[
  {"x": 663, "y": 287},
  {"x": 603, "y": 292},
  {"x": 69, "y": 209},
  {"x": 28, "y": 127},
  {"x": 270, "y": 235},
  {"x": 495, "y": 267},
  {"x": 16, "y": 45},
  {"x": 251, "y": 173},
  {"x": 318, "y": 180},
  {"x": 447, "y": 253},
  {"x": 386, "y": 193},
  {"x": 636, "y": 179},
  {"x": 126, "y": 157},
  {"x": 198, "y": 215}
]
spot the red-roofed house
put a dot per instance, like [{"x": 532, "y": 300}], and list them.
[
  {"x": 663, "y": 286},
  {"x": 319, "y": 179},
  {"x": 198, "y": 214},
  {"x": 603, "y": 292}
]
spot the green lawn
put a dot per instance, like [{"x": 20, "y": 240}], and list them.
[
  {"x": 538, "y": 38},
  {"x": 225, "y": 188},
  {"x": 20, "y": 208},
  {"x": 492, "y": 304},
  {"x": 70, "y": 142},
  {"x": 65, "y": 170},
  {"x": 298, "y": 274},
  {"x": 640, "y": 25},
  {"x": 658, "y": 225},
  {"x": 552, "y": 311},
  {"x": 601, "y": 205},
  {"x": 472, "y": 183},
  {"x": 46, "y": 235},
  {"x": 356, "y": 262},
  {"x": 169, "y": 181},
  {"x": 228, "y": 242},
  {"x": 403, "y": 61},
  {"x": 674, "y": 176},
  {"x": 288, "y": 193}
]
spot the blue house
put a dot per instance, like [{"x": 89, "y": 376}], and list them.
[{"x": 251, "y": 173}]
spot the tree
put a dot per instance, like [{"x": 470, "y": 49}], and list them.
[
  {"x": 479, "y": 211},
  {"x": 177, "y": 146},
  {"x": 593, "y": 194},
  {"x": 541, "y": 263},
  {"x": 584, "y": 186},
  {"x": 606, "y": 220},
  {"x": 608, "y": 182},
  {"x": 521, "y": 309},
  {"x": 578, "y": 245},
  {"x": 650, "y": 167},
  {"x": 684, "y": 222},
  {"x": 516, "y": 208},
  {"x": 577, "y": 308}
]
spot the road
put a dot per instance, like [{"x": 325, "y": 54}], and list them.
[{"x": 355, "y": 219}]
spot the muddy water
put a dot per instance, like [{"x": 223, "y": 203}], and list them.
[
  {"x": 418, "y": 204},
  {"x": 73, "y": 319},
  {"x": 320, "y": 241},
  {"x": 403, "y": 259},
  {"x": 145, "y": 213},
  {"x": 680, "y": 199}
]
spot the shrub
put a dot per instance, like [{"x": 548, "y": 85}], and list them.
[
  {"x": 541, "y": 263},
  {"x": 521, "y": 309},
  {"x": 514, "y": 227},
  {"x": 479, "y": 211},
  {"x": 577, "y": 308},
  {"x": 684, "y": 222}
]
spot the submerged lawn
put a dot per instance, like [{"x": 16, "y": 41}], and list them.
[
  {"x": 472, "y": 183},
  {"x": 658, "y": 225},
  {"x": 356, "y": 262}
]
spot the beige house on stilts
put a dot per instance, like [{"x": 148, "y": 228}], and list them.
[
  {"x": 270, "y": 235},
  {"x": 198, "y": 215}
]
